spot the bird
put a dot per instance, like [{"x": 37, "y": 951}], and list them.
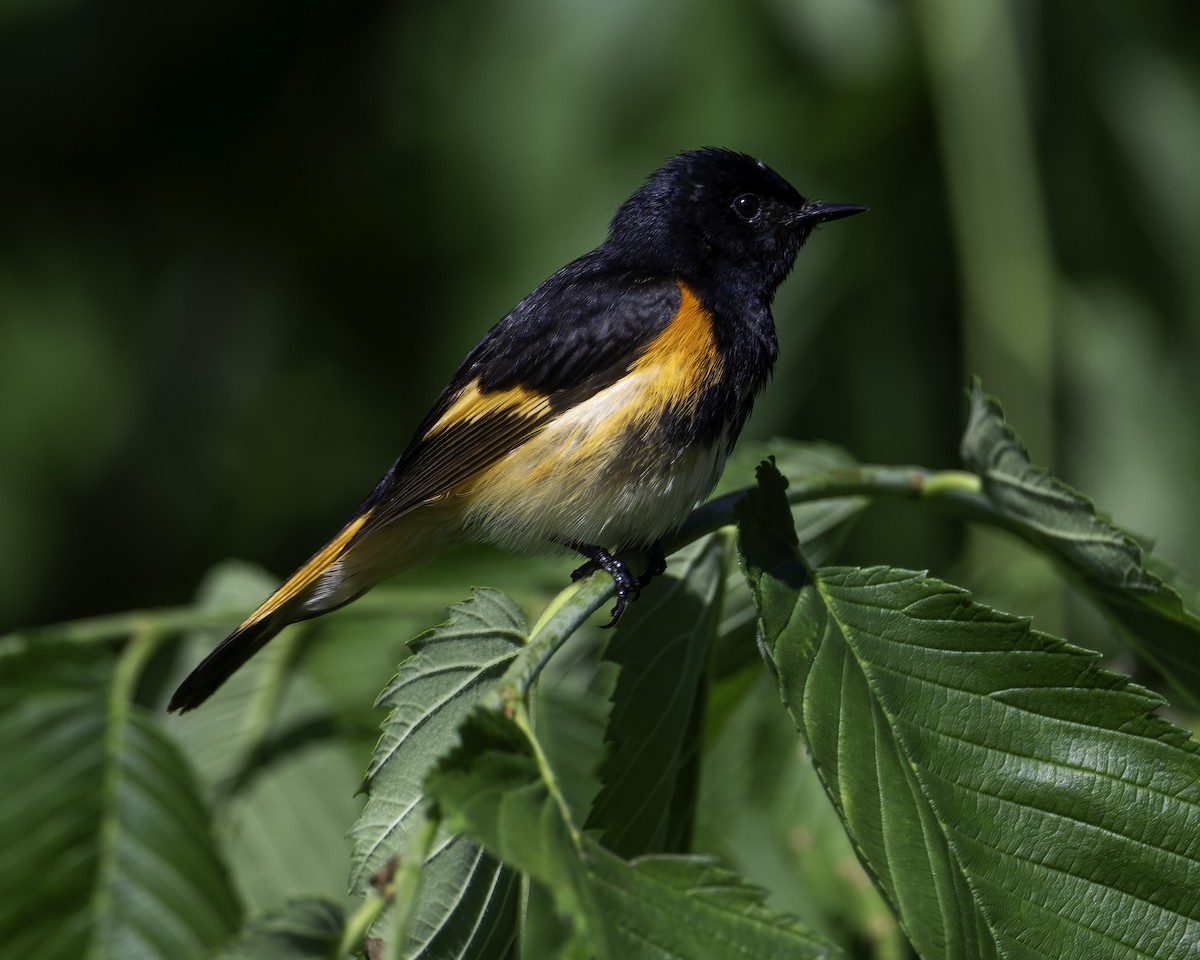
[{"x": 595, "y": 416}]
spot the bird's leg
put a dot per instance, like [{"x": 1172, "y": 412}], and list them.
[
  {"x": 625, "y": 583},
  {"x": 657, "y": 565},
  {"x": 627, "y": 586}
]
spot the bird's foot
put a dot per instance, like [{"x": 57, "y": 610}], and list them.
[{"x": 627, "y": 586}]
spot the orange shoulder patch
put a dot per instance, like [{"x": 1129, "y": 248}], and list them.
[{"x": 684, "y": 358}]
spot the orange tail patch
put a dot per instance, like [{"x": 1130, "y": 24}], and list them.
[{"x": 307, "y": 574}]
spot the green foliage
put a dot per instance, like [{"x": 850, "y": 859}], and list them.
[
  {"x": 308, "y": 929},
  {"x": 235, "y": 271},
  {"x": 972, "y": 787},
  {"x": 106, "y": 840},
  {"x": 463, "y": 904},
  {"x": 646, "y": 801},
  {"x": 495, "y": 787},
  {"x": 938, "y": 726},
  {"x": 1136, "y": 589}
]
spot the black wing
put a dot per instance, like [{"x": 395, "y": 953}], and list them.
[{"x": 575, "y": 334}]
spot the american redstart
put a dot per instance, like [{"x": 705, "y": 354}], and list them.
[{"x": 596, "y": 415}]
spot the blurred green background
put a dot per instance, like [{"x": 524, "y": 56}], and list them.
[{"x": 243, "y": 246}]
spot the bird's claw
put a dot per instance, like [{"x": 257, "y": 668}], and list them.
[{"x": 625, "y": 584}]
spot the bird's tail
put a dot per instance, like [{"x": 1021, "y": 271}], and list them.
[
  {"x": 293, "y": 601},
  {"x": 228, "y": 656}
]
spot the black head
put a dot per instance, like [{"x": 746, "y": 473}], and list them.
[{"x": 718, "y": 217}]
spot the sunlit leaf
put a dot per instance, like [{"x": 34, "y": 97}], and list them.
[{"x": 1007, "y": 794}]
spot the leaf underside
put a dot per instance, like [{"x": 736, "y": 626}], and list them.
[
  {"x": 1147, "y": 598},
  {"x": 465, "y": 900}
]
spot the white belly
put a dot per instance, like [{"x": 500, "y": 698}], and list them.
[{"x": 582, "y": 480}]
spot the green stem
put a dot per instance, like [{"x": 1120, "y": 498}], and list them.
[
  {"x": 564, "y": 615},
  {"x": 523, "y": 721},
  {"x": 357, "y": 926},
  {"x": 406, "y": 880},
  {"x": 400, "y": 890},
  {"x": 166, "y": 620}
]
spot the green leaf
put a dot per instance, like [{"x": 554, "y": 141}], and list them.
[
  {"x": 820, "y": 524},
  {"x": 306, "y": 791},
  {"x": 645, "y": 803},
  {"x": 1144, "y": 596},
  {"x": 689, "y": 907},
  {"x": 1164, "y": 627},
  {"x": 496, "y": 787},
  {"x": 308, "y": 929},
  {"x": 105, "y": 846},
  {"x": 274, "y": 765},
  {"x": 464, "y": 905},
  {"x": 573, "y": 704},
  {"x": 31, "y": 664},
  {"x": 1007, "y": 794},
  {"x": 224, "y": 739},
  {"x": 352, "y": 651},
  {"x": 1046, "y": 511},
  {"x": 465, "y": 899},
  {"x": 491, "y": 787},
  {"x": 766, "y": 816},
  {"x": 544, "y": 933}
]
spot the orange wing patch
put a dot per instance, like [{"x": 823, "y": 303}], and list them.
[
  {"x": 525, "y": 470},
  {"x": 596, "y": 471},
  {"x": 474, "y": 431},
  {"x": 684, "y": 357},
  {"x": 473, "y": 404}
]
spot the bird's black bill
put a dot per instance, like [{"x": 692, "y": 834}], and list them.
[{"x": 816, "y": 211}]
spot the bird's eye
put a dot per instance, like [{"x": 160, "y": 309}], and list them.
[{"x": 747, "y": 206}]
